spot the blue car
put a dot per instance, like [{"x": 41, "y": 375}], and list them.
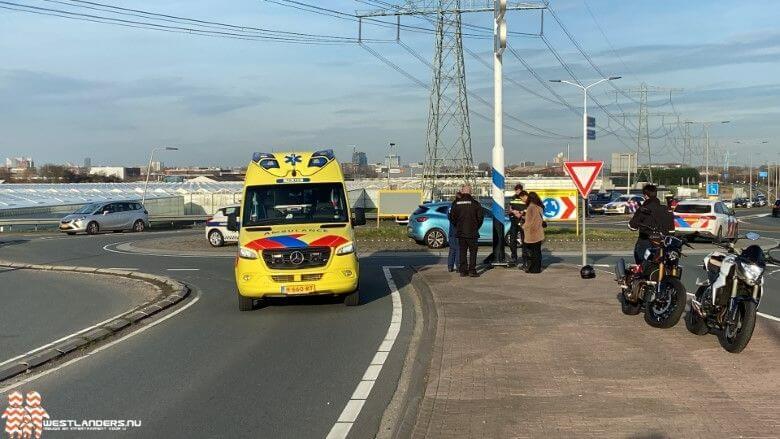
[{"x": 429, "y": 225}]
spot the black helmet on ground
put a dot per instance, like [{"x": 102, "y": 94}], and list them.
[{"x": 587, "y": 272}]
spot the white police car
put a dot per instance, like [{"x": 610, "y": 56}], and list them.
[{"x": 216, "y": 226}]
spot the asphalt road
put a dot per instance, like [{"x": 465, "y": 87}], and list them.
[
  {"x": 39, "y": 307},
  {"x": 285, "y": 370}
]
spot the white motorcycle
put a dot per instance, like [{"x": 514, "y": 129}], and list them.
[{"x": 728, "y": 300}]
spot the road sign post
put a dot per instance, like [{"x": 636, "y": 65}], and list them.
[
  {"x": 583, "y": 174},
  {"x": 499, "y": 183}
]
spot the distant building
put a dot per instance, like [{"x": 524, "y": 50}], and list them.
[
  {"x": 19, "y": 164},
  {"x": 622, "y": 163},
  {"x": 119, "y": 172},
  {"x": 157, "y": 166},
  {"x": 87, "y": 163},
  {"x": 359, "y": 158},
  {"x": 394, "y": 160}
]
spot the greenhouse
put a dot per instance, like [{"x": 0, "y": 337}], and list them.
[{"x": 53, "y": 200}]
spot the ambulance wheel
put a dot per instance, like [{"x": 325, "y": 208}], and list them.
[
  {"x": 245, "y": 303},
  {"x": 719, "y": 236},
  {"x": 352, "y": 299},
  {"x": 216, "y": 239}
]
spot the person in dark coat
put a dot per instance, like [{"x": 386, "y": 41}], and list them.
[
  {"x": 649, "y": 217},
  {"x": 467, "y": 216},
  {"x": 453, "y": 258},
  {"x": 533, "y": 226},
  {"x": 516, "y": 209}
]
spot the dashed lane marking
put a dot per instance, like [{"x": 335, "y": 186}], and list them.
[{"x": 355, "y": 404}]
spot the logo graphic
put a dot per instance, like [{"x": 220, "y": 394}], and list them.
[
  {"x": 22, "y": 422},
  {"x": 292, "y": 159},
  {"x": 551, "y": 207},
  {"x": 296, "y": 258}
]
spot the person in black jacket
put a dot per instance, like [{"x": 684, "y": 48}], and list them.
[
  {"x": 467, "y": 216},
  {"x": 516, "y": 208},
  {"x": 651, "y": 216}
]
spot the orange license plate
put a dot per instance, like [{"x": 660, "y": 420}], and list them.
[{"x": 298, "y": 289}]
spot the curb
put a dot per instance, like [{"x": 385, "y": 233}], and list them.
[
  {"x": 403, "y": 410},
  {"x": 173, "y": 293}
]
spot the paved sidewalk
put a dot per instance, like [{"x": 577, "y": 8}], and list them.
[{"x": 551, "y": 355}]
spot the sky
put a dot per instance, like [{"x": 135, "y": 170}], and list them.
[{"x": 73, "y": 89}]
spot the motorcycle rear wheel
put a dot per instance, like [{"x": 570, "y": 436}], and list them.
[
  {"x": 629, "y": 308},
  {"x": 693, "y": 322},
  {"x": 659, "y": 314},
  {"x": 735, "y": 338}
]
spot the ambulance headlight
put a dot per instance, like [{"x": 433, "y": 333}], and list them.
[
  {"x": 246, "y": 253},
  {"x": 346, "y": 249}
]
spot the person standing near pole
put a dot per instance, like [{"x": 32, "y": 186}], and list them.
[
  {"x": 516, "y": 208},
  {"x": 467, "y": 216},
  {"x": 533, "y": 226}
]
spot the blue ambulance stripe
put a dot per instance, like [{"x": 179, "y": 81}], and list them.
[{"x": 289, "y": 241}]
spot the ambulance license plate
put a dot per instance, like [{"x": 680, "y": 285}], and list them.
[{"x": 298, "y": 289}]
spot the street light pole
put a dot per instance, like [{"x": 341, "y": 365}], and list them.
[
  {"x": 585, "y": 147},
  {"x": 149, "y": 168}
]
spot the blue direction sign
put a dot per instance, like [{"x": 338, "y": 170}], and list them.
[
  {"x": 591, "y": 134},
  {"x": 591, "y": 122},
  {"x": 763, "y": 174},
  {"x": 713, "y": 189}
]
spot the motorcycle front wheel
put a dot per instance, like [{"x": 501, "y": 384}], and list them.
[
  {"x": 667, "y": 308},
  {"x": 736, "y": 335}
]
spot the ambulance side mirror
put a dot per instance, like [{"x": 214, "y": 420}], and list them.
[
  {"x": 232, "y": 223},
  {"x": 358, "y": 217}
]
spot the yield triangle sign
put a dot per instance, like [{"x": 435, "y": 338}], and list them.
[{"x": 583, "y": 174}]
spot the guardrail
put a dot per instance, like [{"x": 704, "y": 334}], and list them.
[{"x": 35, "y": 222}]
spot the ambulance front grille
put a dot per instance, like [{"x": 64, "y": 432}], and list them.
[{"x": 295, "y": 258}]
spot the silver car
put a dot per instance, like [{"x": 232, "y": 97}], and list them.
[{"x": 108, "y": 216}]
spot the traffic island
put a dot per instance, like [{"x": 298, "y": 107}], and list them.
[
  {"x": 168, "y": 293},
  {"x": 551, "y": 355}
]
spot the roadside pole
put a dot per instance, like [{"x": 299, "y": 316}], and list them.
[{"x": 499, "y": 181}]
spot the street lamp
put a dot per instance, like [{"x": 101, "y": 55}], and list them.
[
  {"x": 585, "y": 144},
  {"x": 750, "y": 169},
  {"x": 149, "y": 167}
]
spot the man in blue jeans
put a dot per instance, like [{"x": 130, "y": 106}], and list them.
[{"x": 452, "y": 240}]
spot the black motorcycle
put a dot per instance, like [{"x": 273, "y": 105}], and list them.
[
  {"x": 655, "y": 283},
  {"x": 728, "y": 300}
]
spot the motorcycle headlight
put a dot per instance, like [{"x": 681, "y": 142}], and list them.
[
  {"x": 246, "y": 253},
  {"x": 346, "y": 249},
  {"x": 751, "y": 271}
]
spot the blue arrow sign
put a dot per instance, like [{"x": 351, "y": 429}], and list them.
[{"x": 713, "y": 189}]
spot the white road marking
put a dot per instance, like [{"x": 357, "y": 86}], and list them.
[
  {"x": 105, "y": 346},
  {"x": 355, "y": 404},
  {"x": 123, "y": 269},
  {"x": 164, "y": 255},
  {"x": 183, "y": 269}
]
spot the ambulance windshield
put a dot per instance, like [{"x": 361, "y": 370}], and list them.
[{"x": 294, "y": 204}]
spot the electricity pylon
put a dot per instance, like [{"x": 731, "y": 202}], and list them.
[
  {"x": 643, "y": 132},
  {"x": 448, "y": 139}
]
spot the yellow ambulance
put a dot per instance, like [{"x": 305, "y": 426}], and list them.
[{"x": 296, "y": 229}]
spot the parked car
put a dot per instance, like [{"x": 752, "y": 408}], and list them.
[
  {"x": 759, "y": 201},
  {"x": 705, "y": 218},
  {"x": 776, "y": 209},
  {"x": 741, "y": 202},
  {"x": 217, "y": 232},
  {"x": 597, "y": 200},
  {"x": 624, "y": 204},
  {"x": 100, "y": 217},
  {"x": 430, "y": 225}
]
